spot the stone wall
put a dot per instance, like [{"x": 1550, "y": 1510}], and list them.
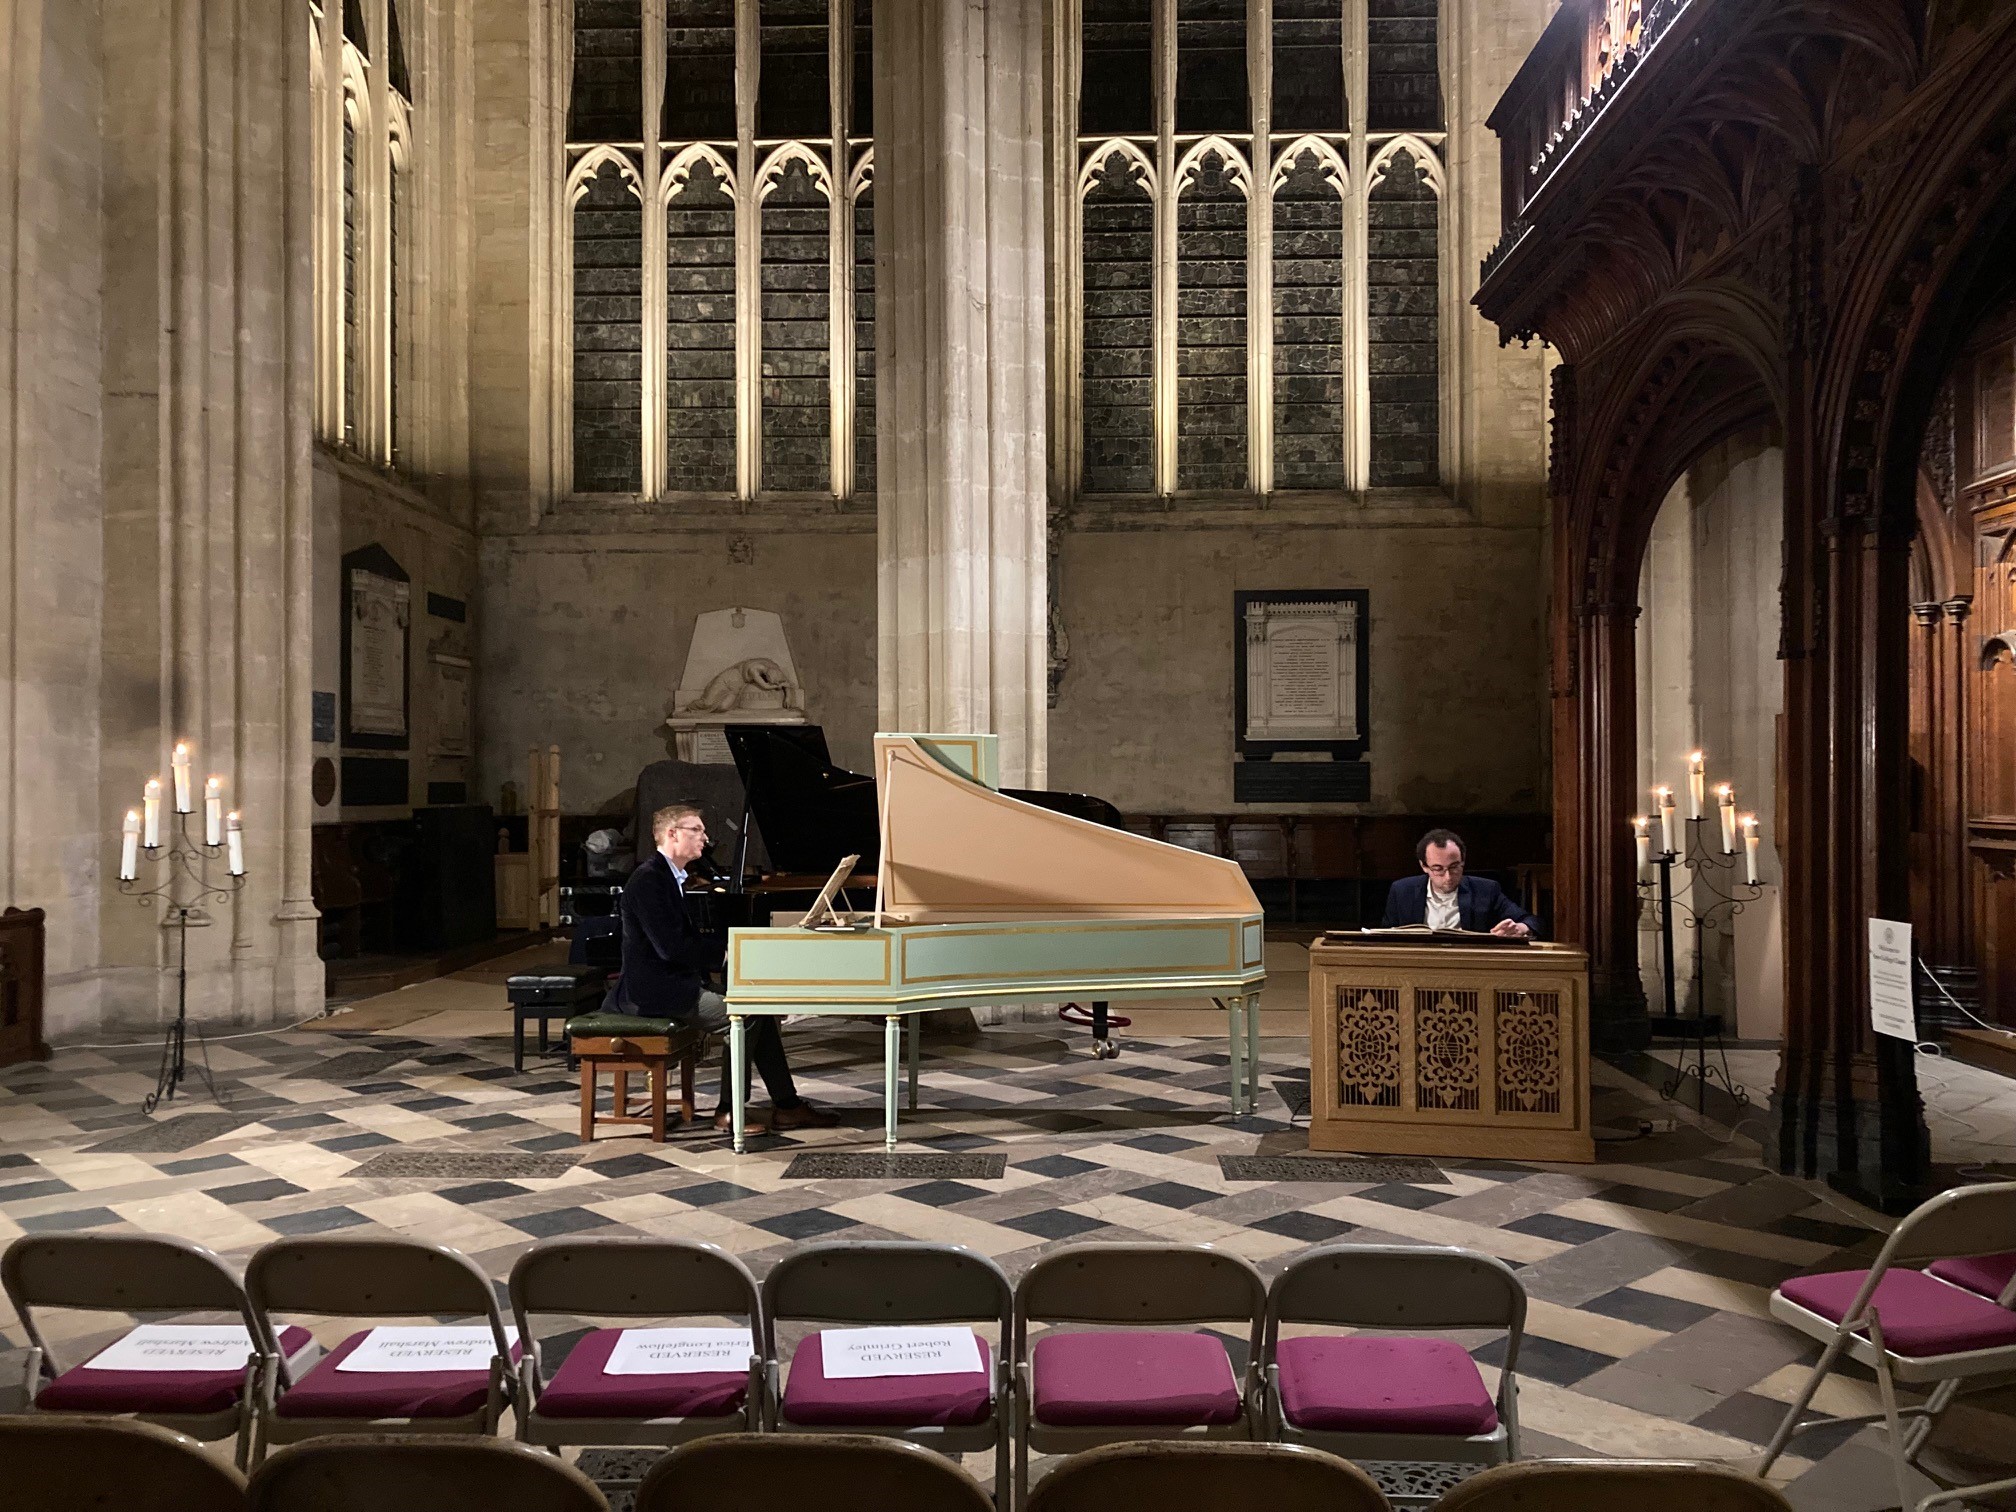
[
  {"x": 585, "y": 629},
  {"x": 1145, "y": 712},
  {"x": 52, "y": 848}
]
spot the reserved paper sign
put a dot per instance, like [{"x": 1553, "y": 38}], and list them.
[
  {"x": 389, "y": 1351},
  {"x": 177, "y": 1346},
  {"x": 681, "y": 1351},
  {"x": 853, "y": 1354}
]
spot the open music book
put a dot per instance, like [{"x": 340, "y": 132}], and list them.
[{"x": 1421, "y": 934}]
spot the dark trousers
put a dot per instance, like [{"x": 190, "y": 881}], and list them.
[{"x": 765, "y": 1043}]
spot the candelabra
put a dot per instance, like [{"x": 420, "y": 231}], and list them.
[
  {"x": 184, "y": 888},
  {"x": 1714, "y": 898}
]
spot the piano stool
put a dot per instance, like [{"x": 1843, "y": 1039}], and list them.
[
  {"x": 620, "y": 1044},
  {"x": 558, "y": 992}
]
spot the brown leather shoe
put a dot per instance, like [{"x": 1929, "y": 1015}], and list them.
[
  {"x": 752, "y": 1122},
  {"x": 804, "y": 1116}
]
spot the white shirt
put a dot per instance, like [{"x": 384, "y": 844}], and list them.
[{"x": 1444, "y": 911}]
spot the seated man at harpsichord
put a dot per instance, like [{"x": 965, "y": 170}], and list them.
[
  {"x": 1443, "y": 898},
  {"x": 665, "y": 957}
]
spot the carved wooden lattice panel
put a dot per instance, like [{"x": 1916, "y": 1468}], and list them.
[
  {"x": 1448, "y": 1049},
  {"x": 1368, "y": 1047},
  {"x": 1530, "y": 1058}
]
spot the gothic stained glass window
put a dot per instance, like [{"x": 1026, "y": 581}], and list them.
[
  {"x": 759, "y": 156},
  {"x": 1257, "y": 282}
]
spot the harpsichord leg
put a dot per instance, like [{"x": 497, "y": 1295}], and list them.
[
  {"x": 738, "y": 1070},
  {"x": 1253, "y": 1053},
  {"x": 892, "y": 1034},
  {"x": 914, "y": 1050},
  {"x": 1235, "y": 1034}
]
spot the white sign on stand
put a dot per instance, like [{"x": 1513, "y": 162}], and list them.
[
  {"x": 681, "y": 1351},
  {"x": 1890, "y": 1008},
  {"x": 177, "y": 1346},
  {"x": 853, "y": 1354},
  {"x": 391, "y": 1351}
]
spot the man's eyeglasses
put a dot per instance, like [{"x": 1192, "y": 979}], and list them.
[
  {"x": 1454, "y": 868},
  {"x": 691, "y": 829}
]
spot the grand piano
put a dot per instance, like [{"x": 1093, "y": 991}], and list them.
[{"x": 984, "y": 897}]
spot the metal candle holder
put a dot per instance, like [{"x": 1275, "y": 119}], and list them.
[
  {"x": 1723, "y": 904},
  {"x": 183, "y": 892}
]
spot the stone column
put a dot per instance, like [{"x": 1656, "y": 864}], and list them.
[
  {"x": 959, "y": 239},
  {"x": 207, "y": 543}
]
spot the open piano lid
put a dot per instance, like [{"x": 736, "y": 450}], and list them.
[
  {"x": 809, "y": 811},
  {"x": 953, "y": 849}
]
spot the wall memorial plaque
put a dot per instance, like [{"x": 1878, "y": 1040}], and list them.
[
  {"x": 377, "y": 626},
  {"x": 1302, "y": 664}
]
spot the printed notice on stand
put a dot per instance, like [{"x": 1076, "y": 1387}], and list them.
[
  {"x": 389, "y": 1351},
  {"x": 177, "y": 1346},
  {"x": 853, "y": 1354},
  {"x": 681, "y": 1351},
  {"x": 1890, "y": 1009}
]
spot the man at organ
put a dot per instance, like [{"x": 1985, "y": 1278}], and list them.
[
  {"x": 665, "y": 956},
  {"x": 1443, "y": 898}
]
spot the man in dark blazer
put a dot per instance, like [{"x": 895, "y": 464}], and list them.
[
  {"x": 1446, "y": 899},
  {"x": 665, "y": 956}
]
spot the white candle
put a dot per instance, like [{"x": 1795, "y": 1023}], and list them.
[
  {"x": 179, "y": 763},
  {"x": 1697, "y": 783},
  {"x": 1642, "y": 832},
  {"x": 234, "y": 836},
  {"x": 213, "y": 812},
  {"x": 1725, "y": 798},
  {"x": 129, "y": 847},
  {"x": 150, "y": 805},
  {"x": 1750, "y": 849},
  {"x": 1665, "y": 805}
]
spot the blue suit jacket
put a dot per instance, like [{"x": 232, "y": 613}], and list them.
[{"x": 1480, "y": 903}]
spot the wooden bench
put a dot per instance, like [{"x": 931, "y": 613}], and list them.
[{"x": 620, "y": 1045}]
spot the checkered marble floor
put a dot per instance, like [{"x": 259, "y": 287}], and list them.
[{"x": 1648, "y": 1273}]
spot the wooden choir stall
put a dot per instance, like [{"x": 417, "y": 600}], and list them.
[{"x": 1448, "y": 1045}]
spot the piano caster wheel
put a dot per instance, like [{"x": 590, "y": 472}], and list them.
[{"x": 1105, "y": 1050}]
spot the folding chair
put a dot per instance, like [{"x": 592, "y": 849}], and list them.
[
  {"x": 788, "y": 1472},
  {"x": 57, "y": 1463},
  {"x": 348, "y": 1472},
  {"x": 137, "y": 1273},
  {"x": 1611, "y": 1485},
  {"x": 1990, "y": 1276},
  {"x": 875, "y": 1283},
  {"x": 1077, "y": 1390},
  {"x": 1387, "y": 1397},
  {"x": 581, "y": 1402},
  {"x": 1909, "y": 1327},
  {"x": 1185, "y": 1475},
  {"x": 358, "y": 1277}
]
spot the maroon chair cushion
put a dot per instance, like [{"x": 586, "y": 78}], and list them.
[
  {"x": 1383, "y": 1385},
  {"x": 81, "y": 1389},
  {"x": 943, "y": 1401},
  {"x": 1985, "y": 1275},
  {"x": 327, "y": 1392},
  {"x": 1921, "y": 1317},
  {"x": 1099, "y": 1380},
  {"x": 582, "y": 1388}
]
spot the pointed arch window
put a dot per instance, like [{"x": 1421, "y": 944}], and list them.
[
  {"x": 366, "y": 152},
  {"x": 1254, "y": 200},
  {"x": 755, "y": 368}
]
